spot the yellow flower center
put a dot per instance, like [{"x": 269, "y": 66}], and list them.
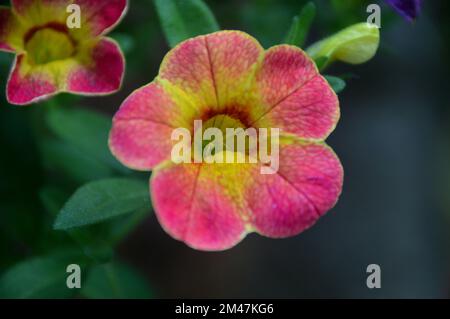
[
  {"x": 48, "y": 44},
  {"x": 222, "y": 122},
  {"x": 232, "y": 131}
]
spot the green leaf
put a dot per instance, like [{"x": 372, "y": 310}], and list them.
[
  {"x": 116, "y": 281},
  {"x": 122, "y": 226},
  {"x": 355, "y": 44},
  {"x": 87, "y": 130},
  {"x": 321, "y": 62},
  {"x": 100, "y": 200},
  {"x": 184, "y": 19},
  {"x": 52, "y": 198},
  {"x": 337, "y": 84},
  {"x": 42, "y": 277},
  {"x": 125, "y": 41},
  {"x": 93, "y": 247},
  {"x": 96, "y": 241},
  {"x": 301, "y": 25},
  {"x": 91, "y": 241},
  {"x": 60, "y": 157}
]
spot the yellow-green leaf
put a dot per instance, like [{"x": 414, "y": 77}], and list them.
[{"x": 356, "y": 44}]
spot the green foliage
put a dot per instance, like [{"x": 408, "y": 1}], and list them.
[
  {"x": 336, "y": 83},
  {"x": 125, "y": 41},
  {"x": 301, "y": 25},
  {"x": 100, "y": 200},
  {"x": 20, "y": 175},
  {"x": 86, "y": 130},
  {"x": 184, "y": 19},
  {"x": 45, "y": 277},
  {"x": 93, "y": 242},
  {"x": 42, "y": 277},
  {"x": 96, "y": 241},
  {"x": 321, "y": 62},
  {"x": 68, "y": 160},
  {"x": 355, "y": 44},
  {"x": 114, "y": 281}
]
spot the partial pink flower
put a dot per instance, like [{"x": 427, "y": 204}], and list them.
[
  {"x": 227, "y": 80},
  {"x": 53, "y": 58}
]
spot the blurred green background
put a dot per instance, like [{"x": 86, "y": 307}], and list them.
[{"x": 393, "y": 140}]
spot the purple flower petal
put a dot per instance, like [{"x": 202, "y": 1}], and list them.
[{"x": 410, "y": 9}]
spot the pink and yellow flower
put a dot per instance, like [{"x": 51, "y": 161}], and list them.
[
  {"x": 227, "y": 77},
  {"x": 53, "y": 58}
]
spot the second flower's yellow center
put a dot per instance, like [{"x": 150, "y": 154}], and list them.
[{"x": 47, "y": 45}]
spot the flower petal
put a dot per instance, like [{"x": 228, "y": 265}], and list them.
[
  {"x": 285, "y": 70},
  {"x": 295, "y": 98},
  {"x": 410, "y": 9},
  {"x": 97, "y": 16},
  {"x": 187, "y": 67},
  {"x": 7, "y": 26},
  {"x": 99, "y": 69},
  {"x": 311, "y": 112},
  {"x": 102, "y": 15},
  {"x": 28, "y": 85},
  {"x": 234, "y": 58},
  {"x": 307, "y": 184},
  {"x": 213, "y": 206},
  {"x": 141, "y": 134},
  {"x": 39, "y": 12},
  {"x": 194, "y": 206},
  {"x": 214, "y": 70}
]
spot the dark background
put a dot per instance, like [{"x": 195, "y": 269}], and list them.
[{"x": 393, "y": 140}]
